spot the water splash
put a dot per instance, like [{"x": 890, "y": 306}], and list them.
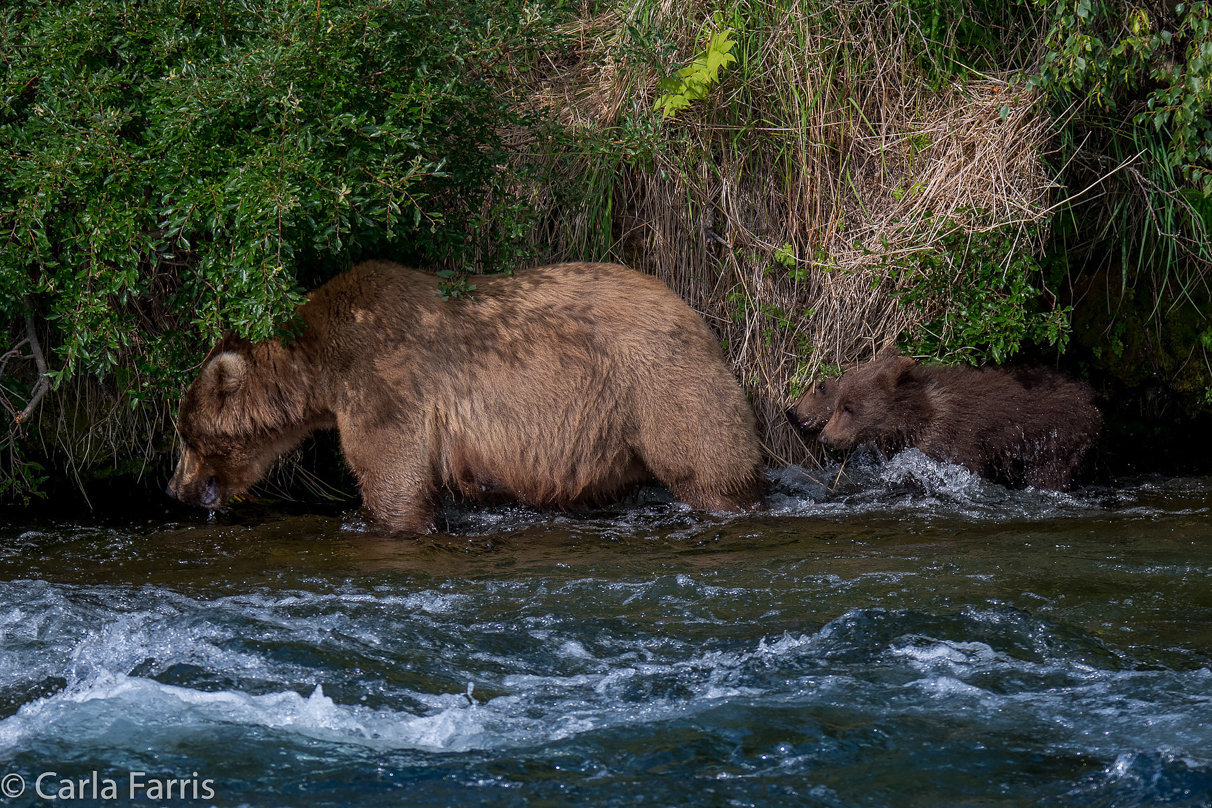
[{"x": 914, "y": 634}]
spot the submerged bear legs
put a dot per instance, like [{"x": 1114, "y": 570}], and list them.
[
  {"x": 704, "y": 498},
  {"x": 409, "y": 512},
  {"x": 394, "y": 474},
  {"x": 700, "y": 464}
]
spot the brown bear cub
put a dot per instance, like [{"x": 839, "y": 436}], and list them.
[
  {"x": 1017, "y": 427},
  {"x": 555, "y": 386},
  {"x": 814, "y": 408}
]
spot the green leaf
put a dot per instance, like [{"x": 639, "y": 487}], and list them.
[
  {"x": 694, "y": 81},
  {"x": 785, "y": 255}
]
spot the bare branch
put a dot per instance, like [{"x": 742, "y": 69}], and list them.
[{"x": 43, "y": 380}]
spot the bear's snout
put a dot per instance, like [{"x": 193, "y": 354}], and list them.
[
  {"x": 793, "y": 417},
  {"x": 210, "y": 493},
  {"x": 196, "y": 491}
]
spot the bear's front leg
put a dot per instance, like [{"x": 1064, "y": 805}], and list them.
[
  {"x": 401, "y": 511},
  {"x": 394, "y": 473}
]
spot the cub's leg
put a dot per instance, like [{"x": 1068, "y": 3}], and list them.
[{"x": 1053, "y": 474}]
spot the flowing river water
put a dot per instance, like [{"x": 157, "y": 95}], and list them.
[{"x": 895, "y": 635}]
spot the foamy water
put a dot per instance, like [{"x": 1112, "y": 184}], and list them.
[{"x": 887, "y": 634}]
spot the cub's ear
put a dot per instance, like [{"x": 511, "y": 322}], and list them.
[
  {"x": 886, "y": 353},
  {"x": 227, "y": 372},
  {"x": 898, "y": 371}
]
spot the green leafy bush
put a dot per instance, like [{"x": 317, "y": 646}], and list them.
[
  {"x": 985, "y": 293},
  {"x": 174, "y": 169},
  {"x": 692, "y": 82},
  {"x": 171, "y": 170},
  {"x": 1133, "y": 85},
  {"x": 1154, "y": 66}
]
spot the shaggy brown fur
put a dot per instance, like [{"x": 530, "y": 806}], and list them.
[
  {"x": 1028, "y": 426},
  {"x": 559, "y": 385},
  {"x": 815, "y": 407}
]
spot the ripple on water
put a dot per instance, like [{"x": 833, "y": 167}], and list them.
[
  {"x": 546, "y": 683},
  {"x": 1038, "y": 648}
]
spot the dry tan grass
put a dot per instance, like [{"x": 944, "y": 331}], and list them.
[{"x": 826, "y": 138}]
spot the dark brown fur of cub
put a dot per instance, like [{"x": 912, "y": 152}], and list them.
[
  {"x": 815, "y": 407},
  {"x": 558, "y": 385},
  {"x": 1026, "y": 426}
]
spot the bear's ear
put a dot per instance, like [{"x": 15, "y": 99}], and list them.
[
  {"x": 898, "y": 371},
  {"x": 227, "y": 372},
  {"x": 888, "y": 352}
]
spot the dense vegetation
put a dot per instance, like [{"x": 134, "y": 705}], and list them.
[
  {"x": 173, "y": 170},
  {"x": 1130, "y": 87}
]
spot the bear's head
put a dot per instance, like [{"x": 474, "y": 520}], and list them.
[
  {"x": 227, "y": 442},
  {"x": 874, "y": 403},
  {"x": 815, "y": 407}
]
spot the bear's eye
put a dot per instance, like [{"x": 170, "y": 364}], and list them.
[{"x": 846, "y": 409}]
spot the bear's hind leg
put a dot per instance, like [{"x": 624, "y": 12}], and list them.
[
  {"x": 1051, "y": 474},
  {"x": 706, "y": 499},
  {"x": 710, "y": 469}
]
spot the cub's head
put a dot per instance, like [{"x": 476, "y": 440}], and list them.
[
  {"x": 223, "y": 452},
  {"x": 868, "y": 406},
  {"x": 815, "y": 406}
]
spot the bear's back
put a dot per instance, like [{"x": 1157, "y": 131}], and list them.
[
  {"x": 1014, "y": 425},
  {"x": 380, "y": 301},
  {"x": 1034, "y": 400}
]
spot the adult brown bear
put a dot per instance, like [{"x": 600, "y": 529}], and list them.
[
  {"x": 558, "y": 385},
  {"x": 1026, "y": 426}
]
